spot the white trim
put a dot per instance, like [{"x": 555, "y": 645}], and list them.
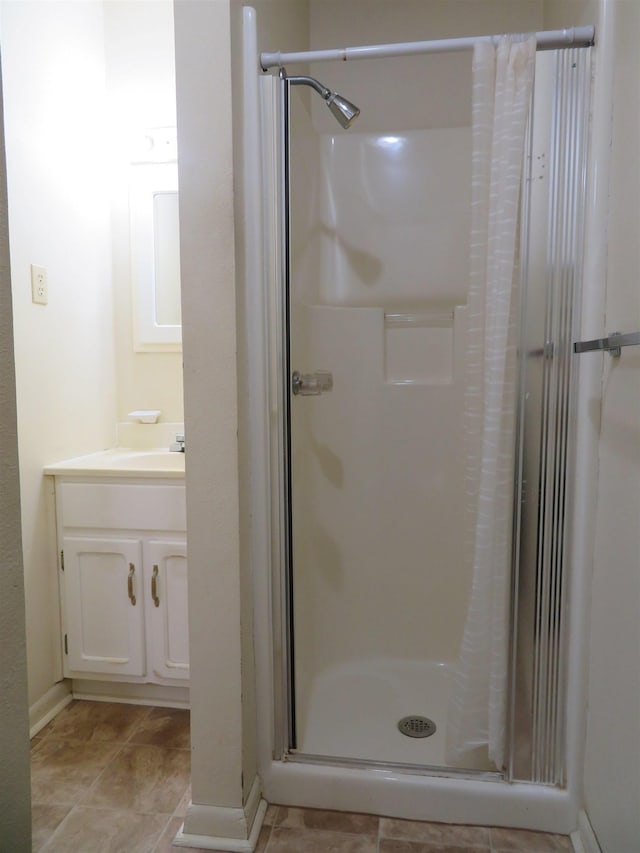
[
  {"x": 258, "y": 102},
  {"x": 581, "y": 523},
  {"x": 269, "y": 719},
  {"x": 48, "y": 706},
  {"x": 584, "y": 838},
  {"x": 546, "y": 40},
  {"x": 252, "y": 803},
  {"x": 131, "y": 693},
  {"x": 227, "y": 844},
  {"x": 257, "y": 357},
  {"x": 480, "y": 802},
  {"x": 229, "y": 829}
]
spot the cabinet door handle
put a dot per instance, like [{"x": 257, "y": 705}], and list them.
[
  {"x": 131, "y": 593},
  {"x": 154, "y": 587}
]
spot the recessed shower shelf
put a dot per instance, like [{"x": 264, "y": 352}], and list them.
[
  {"x": 418, "y": 347},
  {"x": 427, "y": 319}
]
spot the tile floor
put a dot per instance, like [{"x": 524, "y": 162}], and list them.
[{"x": 114, "y": 778}]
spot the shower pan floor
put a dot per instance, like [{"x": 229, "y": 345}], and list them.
[{"x": 353, "y": 711}]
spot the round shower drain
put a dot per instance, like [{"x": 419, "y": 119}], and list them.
[{"x": 417, "y": 726}]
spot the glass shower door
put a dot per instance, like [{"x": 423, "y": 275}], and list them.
[{"x": 379, "y": 583}]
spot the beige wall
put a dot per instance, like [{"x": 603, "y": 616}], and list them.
[
  {"x": 140, "y": 76},
  {"x": 372, "y": 21},
  {"x": 59, "y": 219},
  {"x": 572, "y": 13},
  {"x": 15, "y": 794},
  {"x": 418, "y": 92}
]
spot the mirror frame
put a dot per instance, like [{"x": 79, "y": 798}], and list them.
[{"x": 147, "y": 179}]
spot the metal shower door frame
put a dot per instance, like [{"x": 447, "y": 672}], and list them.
[{"x": 546, "y": 640}]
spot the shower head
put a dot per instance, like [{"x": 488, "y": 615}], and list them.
[{"x": 343, "y": 110}]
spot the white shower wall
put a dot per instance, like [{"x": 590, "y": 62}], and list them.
[
  {"x": 378, "y": 303},
  {"x": 393, "y": 219}
]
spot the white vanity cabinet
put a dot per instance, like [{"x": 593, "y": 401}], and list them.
[{"x": 123, "y": 579}]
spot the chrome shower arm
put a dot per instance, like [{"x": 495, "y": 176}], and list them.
[
  {"x": 301, "y": 80},
  {"x": 342, "y": 110}
]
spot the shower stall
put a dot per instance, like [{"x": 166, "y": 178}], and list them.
[{"x": 371, "y": 583}]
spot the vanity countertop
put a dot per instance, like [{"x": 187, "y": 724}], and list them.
[{"x": 122, "y": 462}]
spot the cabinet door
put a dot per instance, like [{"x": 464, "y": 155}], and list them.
[
  {"x": 103, "y": 606},
  {"x": 167, "y": 608}
]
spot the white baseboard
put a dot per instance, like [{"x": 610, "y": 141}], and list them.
[
  {"x": 46, "y": 708},
  {"x": 228, "y": 829},
  {"x": 59, "y": 696},
  {"x": 584, "y": 838},
  {"x": 164, "y": 696}
]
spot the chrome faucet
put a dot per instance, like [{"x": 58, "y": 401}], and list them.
[{"x": 178, "y": 445}]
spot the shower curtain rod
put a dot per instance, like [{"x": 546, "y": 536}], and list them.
[{"x": 546, "y": 40}]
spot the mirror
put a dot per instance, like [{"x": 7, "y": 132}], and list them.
[
  {"x": 155, "y": 252},
  {"x": 166, "y": 248}
]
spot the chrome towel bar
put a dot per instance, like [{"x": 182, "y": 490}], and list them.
[{"x": 611, "y": 344}]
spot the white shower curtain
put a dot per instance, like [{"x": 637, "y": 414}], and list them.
[{"x": 502, "y": 83}]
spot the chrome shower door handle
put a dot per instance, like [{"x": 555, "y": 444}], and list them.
[
  {"x": 311, "y": 384},
  {"x": 612, "y": 344}
]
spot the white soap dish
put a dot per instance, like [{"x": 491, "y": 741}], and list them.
[{"x": 145, "y": 416}]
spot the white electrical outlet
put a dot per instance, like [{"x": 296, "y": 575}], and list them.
[{"x": 39, "y": 285}]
